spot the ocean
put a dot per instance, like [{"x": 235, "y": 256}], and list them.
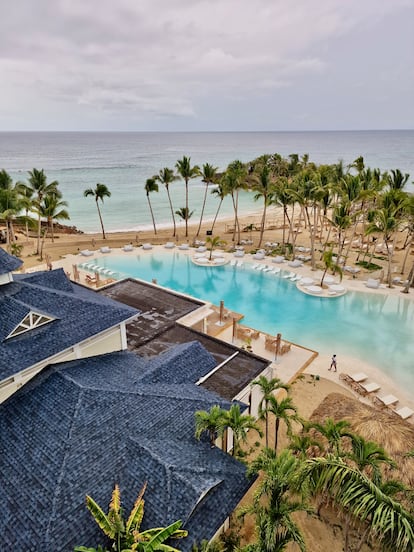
[{"x": 124, "y": 160}]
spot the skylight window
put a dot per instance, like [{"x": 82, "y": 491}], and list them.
[{"x": 30, "y": 322}]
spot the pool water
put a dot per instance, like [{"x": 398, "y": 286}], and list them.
[{"x": 375, "y": 328}]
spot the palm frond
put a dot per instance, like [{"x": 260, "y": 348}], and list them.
[
  {"x": 100, "y": 517},
  {"x": 137, "y": 512}
]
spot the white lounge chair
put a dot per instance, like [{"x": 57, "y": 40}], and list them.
[
  {"x": 388, "y": 400},
  {"x": 371, "y": 283},
  {"x": 201, "y": 248},
  {"x": 358, "y": 377},
  {"x": 371, "y": 387},
  {"x": 314, "y": 289},
  {"x": 146, "y": 246},
  {"x": 184, "y": 246},
  {"x": 239, "y": 253},
  {"x": 86, "y": 253},
  {"x": 169, "y": 245},
  {"x": 105, "y": 249},
  {"x": 278, "y": 259},
  {"x": 295, "y": 263},
  {"x": 259, "y": 256},
  {"x": 128, "y": 247},
  {"x": 404, "y": 412}
]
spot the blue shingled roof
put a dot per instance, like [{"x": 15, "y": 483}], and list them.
[
  {"x": 78, "y": 314},
  {"x": 8, "y": 263},
  {"x": 79, "y": 427}
]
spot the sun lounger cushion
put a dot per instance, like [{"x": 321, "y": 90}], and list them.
[
  {"x": 86, "y": 253},
  {"x": 404, "y": 412},
  {"x": 169, "y": 245},
  {"x": 105, "y": 249},
  {"x": 146, "y": 246},
  {"x": 128, "y": 247}
]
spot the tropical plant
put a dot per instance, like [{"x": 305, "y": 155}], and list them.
[
  {"x": 214, "y": 242},
  {"x": 369, "y": 457},
  {"x": 274, "y": 502},
  {"x": 51, "y": 209},
  {"x": 185, "y": 215},
  {"x": 221, "y": 193},
  {"x": 385, "y": 519},
  {"x": 166, "y": 176},
  {"x": 151, "y": 186},
  {"x": 233, "y": 181},
  {"x": 126, "y": 535},
  {"x": 211, "y": 422},
  {"x": 208, "y": 176},
  {"x": 333, "y": 432},
  {"x": 330, "y": 264},
  {"x": 267, "y": 387},
  {"x": 263, "y": 187},
  {"x": 38, "y": 183},
  {"x": 187, "y": 172},
  {"x": 283, "y": 410},
  {"x": 99, "y": 193},
  {"x": 239, "y": 424}
]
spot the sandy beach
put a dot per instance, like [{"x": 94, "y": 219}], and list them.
[{"x": 64, "y": 252}]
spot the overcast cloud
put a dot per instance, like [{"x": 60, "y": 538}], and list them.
[{"x": 206, "y": 65}]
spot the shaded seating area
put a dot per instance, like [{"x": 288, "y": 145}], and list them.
[{"x": 271, "y": 343}]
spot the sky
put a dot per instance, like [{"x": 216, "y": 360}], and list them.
[{"x": 211, "y": 65}]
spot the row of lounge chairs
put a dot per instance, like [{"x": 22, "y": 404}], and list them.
[{"x": 358, "y": 383}]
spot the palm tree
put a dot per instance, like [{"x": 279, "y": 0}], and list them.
[
  {"x": 151, "y": 186},
  {"x": 396, "y": 180},
  {"x": 333, "y": 433},
  {"x": 263, "y": 188},
  {"x": 233, "y": 180},
  {"x": 369, "y": 457},
  {"x": 274, "y": 503},
  {"x": 185, "y": 215},
  {"x": 187, "y": 172},
  {"x": 38, "y": 183},
  {"x": 208, "y": 176},
  {"x": 303, "y": 446},
  {"x": 166, "y": 176},
  {"x": 330, "y": 264},
  {"x": 267, "y": 387},
  {"x": 99, "y": 193},
  {"x": 209, "y": 421},
  {"x": 282, "y": 410},
  {"x": 239, "y": 424},
  {"x": 386, "y": 519},
  {"x": 385, "y": 221},
  {"x": 10, "y": 205},
  {"x": 51, "y": 209},
  {"x": 26, "y": 198},
  {"x": 126, "y": 534},
  {"x": 214, "y": 242},
  {"x": 221, "y": 193}
]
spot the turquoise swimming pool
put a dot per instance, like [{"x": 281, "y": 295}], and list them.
[{"x": 375, "y": 328}]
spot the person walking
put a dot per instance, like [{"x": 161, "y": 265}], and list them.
[{"x": 333, "y": 363}]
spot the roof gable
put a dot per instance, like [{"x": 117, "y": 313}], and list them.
[
  {"x": 31, "y": 321},
  {"x": 78, "y": 313}
]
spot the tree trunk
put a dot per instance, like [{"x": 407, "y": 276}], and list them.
[
  {"x": 277, "y": 423},
  {"x": 152, "y": 214},
  {"x": 186, "y": 207},
  {"x": 100, "y": 219},
  {"x": 262, "y": 226},
  {"x": 172, "y": 211},
  {"x": 202, "y": 211},
  {"x": 410, "y": 281},
  {"x": 217, "y": 212}
]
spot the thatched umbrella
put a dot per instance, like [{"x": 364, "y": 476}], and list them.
[{"x": 382, "y": 426}]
